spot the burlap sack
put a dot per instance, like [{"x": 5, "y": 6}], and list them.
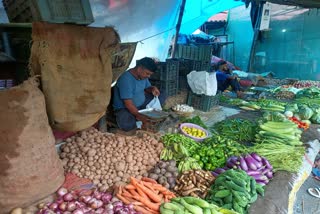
[
  {"x": 30, "y": 168},
  {"x": 76, "y": 74}
]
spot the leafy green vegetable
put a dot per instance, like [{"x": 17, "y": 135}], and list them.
[
  {"x": 292, "y": 107},
  {"x": 281, "y": 156},
  {"x": 236, "y": 129},
  {"x": 195, "y": 120},
  {"x": 274, "y": 116}
]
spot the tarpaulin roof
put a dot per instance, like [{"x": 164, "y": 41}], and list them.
[{"x": 301, "y": 3}]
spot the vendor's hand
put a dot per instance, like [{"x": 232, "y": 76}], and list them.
[
  {"x": 142, "y": 118},
  {"x": 155, "y": 91}
]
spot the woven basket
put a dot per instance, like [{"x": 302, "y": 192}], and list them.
[{"x": 183, "y": 114}]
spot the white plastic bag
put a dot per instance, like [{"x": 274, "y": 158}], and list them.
[
  {"x": 154, "y": 103},
  {"x": 203, "y": 82}
]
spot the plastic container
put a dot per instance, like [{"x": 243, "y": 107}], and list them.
[
  {"x": 202, "y": 102},
  {"x": 56, "y": 11},
  {"x": 191, "y": 125}
]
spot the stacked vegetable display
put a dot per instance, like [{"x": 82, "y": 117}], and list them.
[
  {"x": 191, "y": 205},
  {"x": 86, "y": 201},
  {"x": 210, "y": 154},
  {"x": 194, "y": 183},
  {"x": 234, "y": 189},
  {"x": 107, "y": 159},
  {"x": 254, "y": 165}
]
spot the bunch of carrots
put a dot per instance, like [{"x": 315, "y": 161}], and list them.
[{"x": 146, "y": 195}]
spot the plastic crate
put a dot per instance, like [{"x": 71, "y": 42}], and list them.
[
  {"x": 197, "y": 65},
  {"x": 183, "y": 83},
  {"x": 172, "y": 70},
  {"x": 201, "y": 52},
  {"x": 205, "y": 65},
  {"x": 56, "y": 11},
  {"x": 202, "y": 102},
  {"x": 168, "y": 87}
]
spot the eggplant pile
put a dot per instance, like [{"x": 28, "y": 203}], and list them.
[{"x": 254, "y": 165}]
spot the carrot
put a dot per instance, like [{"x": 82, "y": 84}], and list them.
[
  {"x": 130, "y": 186},
  {"x": 142, "y": 193},
  {"x": 137, "y": 203},
  {"x": 123, "y": 199},
  {"x": 147, "y": 203},
  {"x": 153, "y": 196},
  {"x": 141, "y": 209},
  {"x": 133, "y": 192},
  {"x": 127, "y": 194},
  {"x": 150, "y": 180}
]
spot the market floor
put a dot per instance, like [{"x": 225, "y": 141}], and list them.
[{"x": 305, "y": 203}]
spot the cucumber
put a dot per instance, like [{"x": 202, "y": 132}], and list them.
[
  {"x": 239, "y": 182},
  {"x": 198, "y": 201},
  {"x": 260, "y": 189},
  {"x": 234, "y": 186},
  {"x": 222, "y": 193},
  {"x": 172, "y": 206},
  {"x": 206, "y": 211},
  {"x": 193, "y": 209},
  {"x": 220, "y": 180},
  {"x": 253, "y": 198},
  {"x": 227, "y": 206},
  {"x": 165, "y": 211},
  {"x": 236, "y": 207},
  {"x": 228, "y": 199},
  {"x": 253, "y": 185}
]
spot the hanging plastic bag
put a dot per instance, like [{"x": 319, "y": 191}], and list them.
[
  {"x": 154, "y": 103},
  {"x": 203, "y": 82}
]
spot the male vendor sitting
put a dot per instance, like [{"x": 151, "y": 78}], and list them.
[
  {"x": 226, "y": 79},
  {"x": 133, "y": 92}
]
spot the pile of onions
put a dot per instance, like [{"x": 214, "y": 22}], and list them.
[
  {"x": 254, "y": 165},
  {"x": 83, "y": 203},
  {"x": 109, "y": 159}
]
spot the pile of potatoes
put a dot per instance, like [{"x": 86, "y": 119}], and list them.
[{"x": 108, "y": 159}]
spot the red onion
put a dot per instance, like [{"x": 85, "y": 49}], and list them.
[
  {"x": 53, "y": 206},
  {"x": 78, "y": 211},
  {"x": 106, "y": 198},
  {"x": 63, "y": 206},
  {"x": 71, "y": 206},
  {"x": 68, "y": 197},
  {"x": 67, "y": 212},
  {"x": 80, "y": 204},
  {"x": 99, "y": 211},
  {"x": 96, "y": 204},
  {"x": 85, "y": 198},
  {"x": 117, "y": 203},
  {"x": 62, "y": 191},
  {"x": 109, "y": 207},
  {"x": 97, "y": 194}
]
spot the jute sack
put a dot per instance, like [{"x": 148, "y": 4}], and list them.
[
  {"x": 30, "y": 168},
  {"x": 76, "y": 74}
]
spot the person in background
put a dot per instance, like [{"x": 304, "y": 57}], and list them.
[
  {"x": 133, "y": 92},
  {"x": 226, "y": 79}
]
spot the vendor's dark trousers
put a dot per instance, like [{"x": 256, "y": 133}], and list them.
[
  {"x": 234, "y": 83},
  {"x": 127, "y": 121}
]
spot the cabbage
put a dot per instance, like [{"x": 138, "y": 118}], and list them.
[
  {"x": 292, "y": 107},
  {"x": 305, "y": 112},
  {"x": 315, "y": 118}
]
